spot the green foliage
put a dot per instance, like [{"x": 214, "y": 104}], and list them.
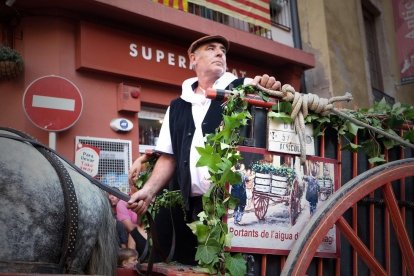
[
  {"x": 263, "y": 167},
  {"x": 281, "y": 112},
  {"x": 9, "y": 54},
  {"x": 267, "y": 168},
  {"x": 220, "y": 156},
  {"x": 287, "y": 172},
  {"x": 382, "y": 115},
  {"x": 235, "y": 264},
  {"x": 166, "y": 199}
]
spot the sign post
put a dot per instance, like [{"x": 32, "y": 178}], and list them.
[{"x": 52, "y": 103}]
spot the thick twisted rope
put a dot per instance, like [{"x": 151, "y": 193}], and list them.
[{"x": 302, "y": 103}]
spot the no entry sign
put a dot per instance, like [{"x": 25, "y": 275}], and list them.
[{"x": 52, "y": 103}]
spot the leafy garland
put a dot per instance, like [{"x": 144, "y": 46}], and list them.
[
  {"x": 167, "y": 199},
  {"x": 382, "y": 116},
  {"x": 220, "y": 155}
]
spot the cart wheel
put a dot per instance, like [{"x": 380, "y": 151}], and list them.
[
  {"x": 261, "y": 203},
  {"x": 294, "y": 203},
  {"x": 340, "y": 202}
]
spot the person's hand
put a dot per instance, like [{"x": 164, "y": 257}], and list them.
[
  {"x": 267, "y": 82},
  {"x": 136, "y": 168},
  {"x": 140, "y": 201}
]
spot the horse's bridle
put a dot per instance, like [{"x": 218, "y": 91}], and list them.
[
  {"x": 71, "y": 200},
  {"x": 69, "y": 196}
]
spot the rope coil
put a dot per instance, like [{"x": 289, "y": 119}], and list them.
[{"x": 302, "y": 103}]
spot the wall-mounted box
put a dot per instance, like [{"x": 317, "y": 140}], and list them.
[{"x": 129, "y": 98}]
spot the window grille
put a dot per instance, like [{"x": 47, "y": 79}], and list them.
[
  {"x": 114, "y": 160},
  {"x": 228, "y": 20},
  {"x": 280, "y": 14}
]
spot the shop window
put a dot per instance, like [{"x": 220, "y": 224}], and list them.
[
  {"x": 114, "y": 160},
  {"x": 150, "y": 120}
]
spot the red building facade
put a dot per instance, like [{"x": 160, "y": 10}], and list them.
[{"x": 125, "y": 57}]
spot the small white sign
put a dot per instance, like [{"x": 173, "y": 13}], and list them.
[
  {"x": 121, "y": 124},
  {"x": 282, "y": 137},
  {"x": 87, "y": 159}
]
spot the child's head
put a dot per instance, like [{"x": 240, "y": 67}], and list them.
[{"x": 127, "y": 258}]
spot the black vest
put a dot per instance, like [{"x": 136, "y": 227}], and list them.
[{"x": 182, "y": 130}]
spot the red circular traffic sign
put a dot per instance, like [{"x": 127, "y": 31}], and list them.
[{"x": 52, "y": 103}]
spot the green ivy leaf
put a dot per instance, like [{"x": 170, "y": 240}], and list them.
[
  {"x": 193, "y": 226},
  {"x": 377, "y": 160},
  {"x": 233, "y": 202},
  {"x": 216, "y": 232},
  {"x": 409, "y": 113},
  {"x": 220, "y": 210},
  {"x": 202, "y": 215},
  {"x": 381, "y": 105},
  {"x": 353, "y": 128},
  {"x": 371, "y": 148},
  {"x": 231, "y": 177},
  {"x": 280, "y": 116},
  {"x": 224, "y": 146},
  {"x": 398, "y": 109},
  {"x": 208, "y": 157},
  {"x": 389, "y": 144},
  {"x": 206, "y": 253},
  {"x": 202, "y": 232},
  {"x": 235, "y": 264},
  {"x": 227, "y": 239},
  {"x": 409, "y": 135}
]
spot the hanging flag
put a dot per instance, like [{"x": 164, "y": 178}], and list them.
[
  {"x": 404, "y": 34},
  {"x": 256, "y": 12},
  {"x": 176, "y": 4}
]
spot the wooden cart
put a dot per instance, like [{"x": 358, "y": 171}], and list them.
[{"x": 276, "y": 189}]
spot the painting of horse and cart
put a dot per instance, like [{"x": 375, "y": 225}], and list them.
[{"x": 282, "y": 196}]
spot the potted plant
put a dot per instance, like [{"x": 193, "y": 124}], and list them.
[{"x": 11, "y": 63}]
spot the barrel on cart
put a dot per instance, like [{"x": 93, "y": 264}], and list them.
[{"x": 280, "y": 185}]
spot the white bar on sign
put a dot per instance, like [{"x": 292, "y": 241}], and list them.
[{"x": 53, "y": 103}]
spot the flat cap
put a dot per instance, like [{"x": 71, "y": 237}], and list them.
[{"x": 210, "y": 38}]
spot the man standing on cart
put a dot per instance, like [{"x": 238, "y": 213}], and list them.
[{"x": 188, "y": 119}]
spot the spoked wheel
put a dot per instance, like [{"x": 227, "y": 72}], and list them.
[
  {"x": 261, "y": 203},
  {"x": 338, "y": 203}
]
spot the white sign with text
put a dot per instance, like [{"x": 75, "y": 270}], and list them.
[
  {"x": 282, "y": 137},
  {"x": 87, "y": 159}
]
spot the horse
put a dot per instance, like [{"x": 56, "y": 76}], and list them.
[{"x": 52, "y": 218}]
